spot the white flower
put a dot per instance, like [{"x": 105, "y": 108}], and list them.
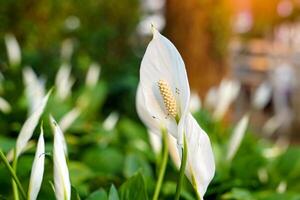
[
  {"x": 62, "y": 183},
  {"x": 195, "y": 102},
  {"x": 37, "y": 170},
  {"x": 29, "y": 126},
  {"x": 13, "y": 49},
  {"x": 211, "y": 98},
  {"x": 155, "y": 142},
  {"x": 262, "y": 96},
  {"x": 58, "y": 131},
  {"x": 227, "y": 93},
  {"x": 35, "y": 88},
  {"x": 68, "y": 119},
  {"x": 111, "y": 121},
  {"x": 93, "y": 75},
  {"x": 4, "y": 106},
  {"x": 164, "y": 86},
  {"x": 67, "y": 48},
  {"x": 162, "y": 101},
  {"x": 237, "y": 137},
  {"x": 200, "y": 167},
  {"x": 64, "y": 81}
]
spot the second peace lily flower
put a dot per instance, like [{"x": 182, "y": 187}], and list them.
[{"x": 163, "y": 103}]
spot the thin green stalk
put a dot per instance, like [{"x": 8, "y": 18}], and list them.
[
  {"x": 13, "y": 174},
  {"x": 14, "y": 185},
  {"x": 163, "y": 165},
  {"x": 182, "y": 169}
]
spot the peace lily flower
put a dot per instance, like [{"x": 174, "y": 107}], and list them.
[
  {"x": 62, "y": 183},
  {"x": 163, "y": 98},
  {"x": 4, "y": 106},
  {"x": 111, "y": 121},
  {"x": 93, "y": 75},
  {"x": 34, "y": 87},
  {"x": 164, "y": 85},
  {"x": 37, "y": 170},
  {"x": 29, "y": 126},
  {"x": 68, "y": 119},
  {"x": 64, "y": 81},
  {"x": 13, "y": 49},
  {"x": 227, "y": 93},
  {"x": 262, "y": 96},
  {"x": 237, "y": 137}
]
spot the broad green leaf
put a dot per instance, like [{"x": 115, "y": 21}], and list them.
[
  {"x": 113, "y": 193},
  {"x": 134, "y": 188},
  {"x": 98, "y": 195}
]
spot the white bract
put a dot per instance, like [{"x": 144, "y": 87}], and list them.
[
  {"x": 37, "y": 170},
  {"x": 34, "y": 87},
  {"x": 58, "y": 131},
  {"x": 64, "y": 81},
  {"x": 227, "y": 93},
  {"x": 29, "y": 126},
  {"x": 237, "y": 137},
  {"x": 4, "y": 106},
  {"x": 200, "y": 167},
  {"x": 195, "y": 102},
  {"x": 68, "y": 119},
  {"x": 93, "y": 75},
  {"x": 111, "y": 121},
  {"x": 62, "y": 183},
  {"x": 164, "y": 86},
  {"x": 162, "y": 102},
  {"x": 13, "y": 49},
  {"x": 262, "y": 96}
]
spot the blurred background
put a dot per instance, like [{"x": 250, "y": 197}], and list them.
[{"x": 252, "y": 44}]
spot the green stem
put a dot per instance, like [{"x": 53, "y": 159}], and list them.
[
  {"x": 13, "y": 174},
  {"x": 14, "y": 185},
  {"x": 163, "y": 165},
  {"x": 182, "y": 169}
]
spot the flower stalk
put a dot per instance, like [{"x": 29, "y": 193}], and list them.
[
  {"x": 182, "y": 169},
  {"x": 13, "y": 174},
  {"x": 163, "y": 164}
]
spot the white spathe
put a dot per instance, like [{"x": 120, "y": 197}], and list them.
[
  {"x": 69, "y": 118},
  {"x": 195, "y": 102},
  {"x": 237, "y": 137},
  {"x": 4, "y": 106},
  {"x": 34, "y": 88},
  {"x": 56, "y": 129},
  {"x": 162, "y": 61},
  {"x": 227, "y": 93},
  {"x": 13, "y": 49},
  {"x": 200, "y": 167},
  {"x": 262, "y": 96},
  {"x": 37, "y": 170},
  {"x": 93, "y": 75},
  {"x": 64, "y": 81},
  {"x": 29, "y": 126},
  {"x": 62, "y": 183},
  {"x": 111, "y": 121}
]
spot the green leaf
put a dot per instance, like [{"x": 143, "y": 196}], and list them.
[
  {"x": 113, "y": 193},
  {"x": 74, "y": 194},
  {"x": 98, "y": 195},
  {"x": 134, "y": 188}
]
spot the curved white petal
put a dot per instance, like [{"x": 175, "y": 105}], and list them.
[
  {"x": 35, "y": 88},
  {"x": 68, "y": 119},
  {"x": 4, "y": 106},
  {"x": 29, "y": 126},
  {"x": 162, "y": 61},
  {"x": 227, "y": 93},
  {"x": 195, "y": 102},
  {"x": 262, "y": 96},
  {"x": 237, "y": 137},
  {"x": 173, "y": 151},
  {"x": 93, "y": 75},
  {"x": 155, "y": 142},
  {"x": 59, "y": 133},
  {"x": 64, "y": 81},
  {"x": 62, "y": 183},
  {"x": 111, "y": 121},
  {"x": 13, "y": 49},
  {"x": 37, "y": 171},
  {"x": 200, "y": 158}
]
